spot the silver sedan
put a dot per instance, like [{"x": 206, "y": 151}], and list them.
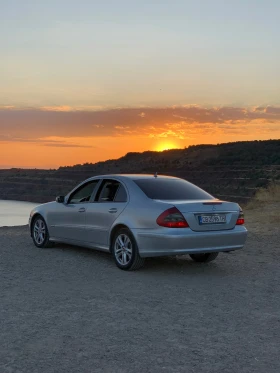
[{"x": 139, "y": 216}]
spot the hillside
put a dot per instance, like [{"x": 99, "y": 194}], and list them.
[{"x": 229, "y": 171}]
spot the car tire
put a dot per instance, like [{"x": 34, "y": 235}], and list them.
[
  {"x": 204, "y": 258},
  {"x": 40, "y": 233},
  {"x": 125, "y": 251}
]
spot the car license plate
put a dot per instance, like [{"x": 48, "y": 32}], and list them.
[{"x": 212, "y": 219}]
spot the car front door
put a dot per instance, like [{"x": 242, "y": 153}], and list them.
[
  {"x": 70, "y": 218},
  {"x": 110, "y": 201}
]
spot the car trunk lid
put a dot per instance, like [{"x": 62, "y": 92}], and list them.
[{"x": 208, "y": 215}]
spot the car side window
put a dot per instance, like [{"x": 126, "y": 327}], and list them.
[
  {"x": 111, "y": 191},
  {"x": 121, "y": 195},
  {"x": 83, "y": 194}
]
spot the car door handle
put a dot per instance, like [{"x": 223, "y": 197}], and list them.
[
  {"x": 113, "y": 210},
  {"x": 82, "y": 209}
]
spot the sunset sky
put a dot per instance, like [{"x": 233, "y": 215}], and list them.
[{"x": 83, "y": 81}]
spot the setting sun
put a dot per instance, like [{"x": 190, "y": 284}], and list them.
[{"x": 165, "y": 146}]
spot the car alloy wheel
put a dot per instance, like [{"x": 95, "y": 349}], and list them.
[
  {"x": 123, "y": 249},
  {"x": 39, "y": 232}
]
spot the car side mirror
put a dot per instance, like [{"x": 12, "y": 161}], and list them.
[{"x": 60, "y": 199}]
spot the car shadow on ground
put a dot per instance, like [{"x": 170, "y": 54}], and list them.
[{"x": 168, "y": 264}]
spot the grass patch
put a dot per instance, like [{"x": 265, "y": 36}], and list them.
[
  {"x": 262, "y": 212},
  {"x": 271, "y": 194}
]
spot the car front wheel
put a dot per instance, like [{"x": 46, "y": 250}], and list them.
[
  {"x": 125, "y": 251},
  {"x": 40, "y": 233},
  {"x": 204, "y": 258}
]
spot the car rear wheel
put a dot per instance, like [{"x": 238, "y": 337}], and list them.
[
  {"x": 40, "y": 233},
  {"x": 204, "y": 258},
  {"x": 125, "y": 251}
]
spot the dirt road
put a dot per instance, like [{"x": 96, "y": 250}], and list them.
[{"x": 71, "y": 310}]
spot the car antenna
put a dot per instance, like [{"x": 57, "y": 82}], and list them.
[{"x": 155, "y": 175}]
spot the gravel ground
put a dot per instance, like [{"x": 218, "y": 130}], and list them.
[{"x": 69, "y": 309}]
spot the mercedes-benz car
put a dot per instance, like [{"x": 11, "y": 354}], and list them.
[{"x": 138, "y": 216}]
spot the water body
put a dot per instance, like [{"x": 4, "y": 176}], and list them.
[{"x": 14, "y": 213}]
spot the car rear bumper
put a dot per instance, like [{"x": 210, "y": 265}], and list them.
[{"x": 185, "y": 241}]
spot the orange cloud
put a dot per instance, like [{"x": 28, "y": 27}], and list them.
[
  {"x": 62, "y": 129},
  {"x": 66, "y": 108}
]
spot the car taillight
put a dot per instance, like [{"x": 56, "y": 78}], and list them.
[
  {"x": 172, "y": 218},
  {"x": 240, "y": 220}
]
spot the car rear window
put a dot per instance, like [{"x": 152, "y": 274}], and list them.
[{"x": 171, "y": 189}]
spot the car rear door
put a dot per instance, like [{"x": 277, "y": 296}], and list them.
[{"x": 110, "y": 201}]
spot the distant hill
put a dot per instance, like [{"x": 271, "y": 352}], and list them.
[{"x": 228, "y": 171}]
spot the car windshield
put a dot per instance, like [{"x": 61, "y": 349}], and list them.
[{"x": 171, "y": 189}]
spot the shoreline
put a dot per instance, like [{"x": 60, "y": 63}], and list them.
[
  {"x": 20, "y": 201},
  {"x": 14, "y": 226}
]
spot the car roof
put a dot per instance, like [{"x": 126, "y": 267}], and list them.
[{"x": 136, "y": 176}]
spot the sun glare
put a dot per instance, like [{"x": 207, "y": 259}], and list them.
[{"x": 165, "y": 146}]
